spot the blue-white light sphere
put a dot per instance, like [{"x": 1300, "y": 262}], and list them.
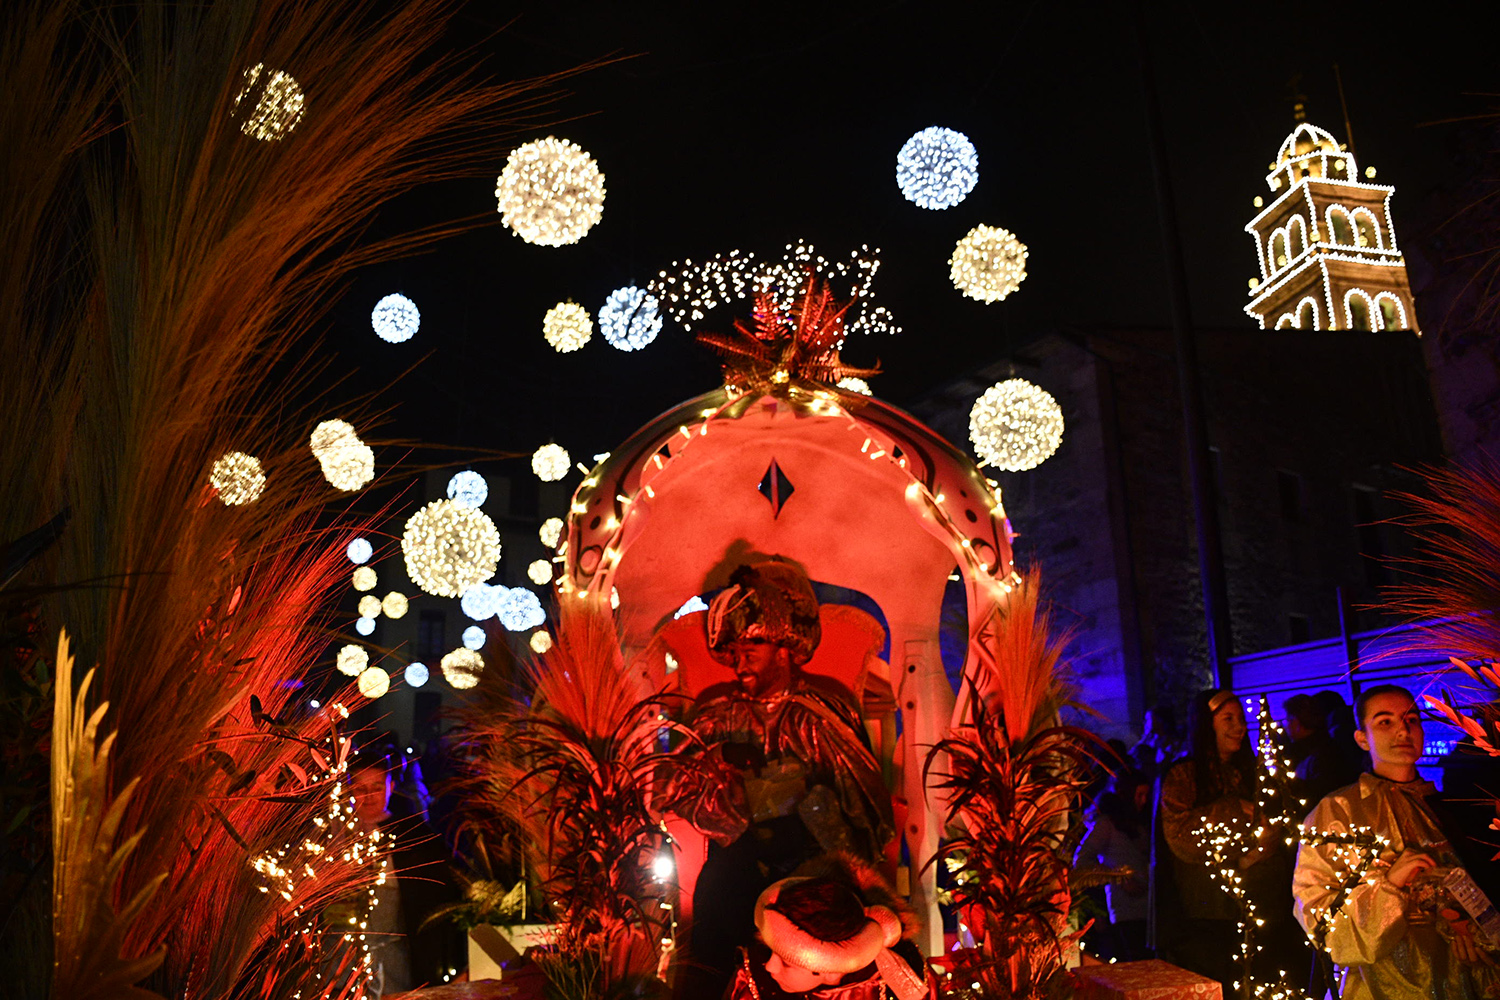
[
  {"x": 473, "y": 637},
  {"x": 416, "y": 674},
  {"x": 937, "y": 168},
  {"x": 359, "y": 551},
  {"x": 520, "y": 609},
  {"x": 364, "y": 626},
  {"x": 692, "y": 604},
  {"x": 395, "y": 318},
  {"x": 630, "y": 318},
  {"x": 468, "y": 489},
  {"x": 481, "y": 600}
]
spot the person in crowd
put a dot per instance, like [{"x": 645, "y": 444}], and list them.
[
  {"x": 1340, "y": 723},
  {"x": 1196, "y": 921},
  {"x": 1396, "y": 930},
  {"x": 1119, "y": 837},
  {"x": 1306, "y": 727},
  {"x": 1320, "y": 765},
  {"x": 1158, "y": 745}
]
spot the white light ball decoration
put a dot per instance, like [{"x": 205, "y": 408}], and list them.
[
  {"x": 567, "y": 327},
  {"x": 481, "y": 601},
  {"x": 449, "y": 548},
  {"x": 550, "y": 193},
  {"x": 852, "y": 384},
  {"x": 238, "y": 478},
  {"x": 359, "y": 551},
  {"x": 462, "y": 667},
  {"x": 630, "y": 318},
  {"x": 352, "y": 660},
  {"x": 279, "y": 104},
  {"x": 468, "y": 489},
  {"x": 988, "y": 264},
  {"x": 520, "y": 609},
  {"x": 395, "y": 605},
  {"x": 417, "y": 674},
  {"x": 474, "y": 637},
  {"x": 937, "y": 168},
  {"x": 363, "y": 578},
  {"x": 689, "y": 606},
  {"x": 539, "y": 572},
  {"x": 395, "y": 318},
  {"x": 364, "y": 626},
  {"x": 374, "y": 682},
  {"x": 1015, "y": 425},
  {"x": 551, "y": 532},
  {"x": 540, "y": 641},
  {"x": 348, "y": 463},
  {"x": 550, "y": 462},
  {"x": 369, "y": 606}
]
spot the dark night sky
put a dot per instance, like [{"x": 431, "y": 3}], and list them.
[{"x": 750, "y": 126}]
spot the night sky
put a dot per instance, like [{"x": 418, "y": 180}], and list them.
[{"x": 749, "y": 126}]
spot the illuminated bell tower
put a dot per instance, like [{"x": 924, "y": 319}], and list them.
[{"x": 1326, "y": 245}]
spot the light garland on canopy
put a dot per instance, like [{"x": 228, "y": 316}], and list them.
[
  {"x": 352, "y": 660},
  {"x": 449, "y": 548},
  {"x": 348, "y": 463},
  {"x": 395, "y": 318},
  {"x": 462, "y": 667},
  {"x": 520, "y": 610},
  {"x": 550, "y": 462},
  {"x": 539, "y": 572},
  {"x": 550, "y": 193},
  {"x": 630, "y": 318},
  {"x": 395, "y": 605},
  {"x": 374, "y": 682},
  {"x": 550, "y": 532},
  {"x": 474, "y": 637},
  {"x": 279, "y": 104},
  {"x": 988, "y": 264},
  {"x": 567, "y": 327},
  {"x": 359, "y": 551},
  {"x": 1015, "y": 426},
  {"x": 468, "y": 489},
  {"x": 238, "y": 478},
  {"x": 416, "y": 674},
  {"x": 363, "y": 578},
  {"x": 937, "y": 168}
]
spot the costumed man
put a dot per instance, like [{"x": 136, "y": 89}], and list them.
[
  {"x": 1397, "y": 931},
  {"x": 791, "y": 774}
]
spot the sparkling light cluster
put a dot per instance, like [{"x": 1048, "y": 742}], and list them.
[
  {"x": 937, "y": 168},
  {"x": 630, "y": 318},
  {"x": 988, "y": 264},
  {"x": 369, "y": 606},
  {"x": 395, "y": 605},
  {"x": 1015, "y": 425},
  {"x": 360, "y": 550},
  {"x": 416, "y": 674},
  {"x": 352, "y": 660},
  {"x": 462, "y": 667},
  {"x": 539, "y": 572},
  {"x": 473, "y": 637},
  {"x": 567, "y": 327},
  {"x": 550, "y": 532},
  {"x": 449, "y": 548},
  {"x": 481, "y": 601},
  {"x": 363, "y": 578},
  {"x": 238, "y": 478},
  {"x": 550, "y": 193},
  {"x": 348, "y": 463},
  {"x": 468, "y": 489},
  {"x": 374, "y": 682},
  {"x": 540, "y": 641},
  {"x": 279, "y": 104},
  {"x": 395, "y": 318},
  {"x": 520, "y": 609},
  {"x": 550, "y": 462}
]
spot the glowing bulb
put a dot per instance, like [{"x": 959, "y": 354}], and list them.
[
  {"x": 550, "y": 193},
  {"x": 364, "y": 626},
  {"x": 550, "y": 462},
  {"x": 395, "y": 319},
  {"x": 279, "y": 104},
  {"x": 540, "y": 642},
  {"x": 539, "y": 572},
  {"x": 473, "y": 637},
  {"x": 352, "y": 660},
  {"x": 369, "y": 606},
  {"x": 852, "y": 384},
  {"x": 363, "y": 578},
  {"x": 462, "y": 667},
  {"x": 395, "y": 605},
  {"x": 347, "y": 462},
  {"x": 988, "y": 264},
  {"x": 520, "y": 609},
  {"x": 238, "y": 478},
  {"x": 937, "y": 168},
  {"x": 1015, "y": 425},
  {"x": 567, "y": 327},
  {"x": 449, "y": 548},
  {"x": 630, "y": 318},
  {"x": 416, "y": 674},
  {"x": 374, "y": 682},
  {"x": 551, "y": 532},
  {"x": 663, "y": 866},
  {"x": 359, "y": 551},
  {"x": 468, "y": 489}
]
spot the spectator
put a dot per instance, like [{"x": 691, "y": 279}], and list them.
[
  {"x": 1158, "y": 745},
  {"x": 1340, "y": 723},
  {"x": 1119, "y": 837},
  {"x": 1320, "y": 766}
]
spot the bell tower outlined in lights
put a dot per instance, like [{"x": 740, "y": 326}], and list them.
[{"x": 1326, "y": 245}]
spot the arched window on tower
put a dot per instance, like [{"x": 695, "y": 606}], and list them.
[
  {"x": 1296, "y": 237},
  {"x": 1392, "y": 312},
  {"x": 1338, "y": 226},
  {"x": 1278, "y": 251},
  {"x": 1366, "y": 232},
  {"x": 1307, "y": 315},
  {"x": 1357, "y": 309}
]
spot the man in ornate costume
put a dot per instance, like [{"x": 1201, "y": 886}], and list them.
[{"x": 1396, "y": 930}]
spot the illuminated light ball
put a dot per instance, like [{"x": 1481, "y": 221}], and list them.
[
  {"x": 348, "y": 463},
  {"x": 937, "y": 168},
  {"x": 1015, "y": 425},
  {"x": 395, "y": 318},
  {"x": 550, "y": 462},
  {"x": 988, "y": 264},
  {"x": 551, "y": 532},
  {"x": 481, "y": 601},
  {"x": 550, "y": 193},
  {"x": 692, "y": 604},
  {"x": 279, "y": 104},
  {"x": 630, "y": 318},
  {"x": 364, "y": 626},
  {"x": 539, "y": 572},
  {"x": 540, "y": 641},
  {"x": 395, "y": 605},
  {"x": 468, "y": 489},
  {"x": 853, "y": 384},
  {"x": 238, "y": 478},
  {"x": 567, "y": 327},
  {"x": 359, "y": 551},
  {"x": 374, "y": 682},
  {"x": 520, "y": 609},
  {"x": 462, "y": 667},
  {"x": 416, "y": 674},
  {"x": 369, "y": 606},
  {"x": 449, "y": 548},
  {"x": 352, "y": 660},
  {"x": 363, "y": 578},
  {"x": 474, "y": 637}
]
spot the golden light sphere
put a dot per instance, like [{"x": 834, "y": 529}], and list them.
[
  {"x": 395, "y": 605},
  {"x": 539, "y": 572},
  {"x": 988, "y": 264},
  {"x": 550, "y": 462},
  {"x": 540, "y": 641},
  {"x": 369, "y": 606},
  {"x": 450, "y": 547},
  {"x": 462, "y": 667},
  {"x": 1015, "y": 426},
  {"x": 852, "y": 384},
  {"x": 550, "y": 193},
  {"x": 567, "y": 327},
  {"x": 363, "y": 578},
  {"x": 352, "y": 660},
  {"x": 374, "y": 682},
  {"x": 278, "y": 104},
  {"x": 551, "y": 532},
  {"x": 238, "y": 478},
  {"x": 348, "y": 463}
]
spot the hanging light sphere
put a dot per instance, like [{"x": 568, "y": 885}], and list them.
[
  {"x": 567, "y": 327},
  {"x": 988, "y": 264},
  {"x": 539, "y": 572},
  {"x": 462, "y": 667},
  {"x": 540, "y": 641},
  {"x": 374, "y": 682},
  {"x": 852, "y": 384},
  {"x": 468, "y": 489},
  {"x": 550, "y": 462},
  {"x": 416, "y": 674},
  {"x": 473, "y": 637},
  {"x": 238, "y": 478},
  {"x": 364, "y": 625},
  {"x": 520, "y": 609},
  {"x": 359, "y": 551},
  {"x": 363, "y": 578},
  {"x": 396, "y": 319},
  {"x": 550, "y": 193},
  {"x": 481, "y": 601},
  {"x": 1015, "y": 425},
  {"x": 347, "y": 462},
  {"x": 449, "y": 548},
  {"x": 352, "y": 660},
  {"x": 551, "y": 532},
  {"x": 369, "y": 606},
  {"x": 937, "y": 168},
  {"x": 395, "y": 605},
  {"x": 269, "y": 104},
  {"x": 630, "y": 318}
]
